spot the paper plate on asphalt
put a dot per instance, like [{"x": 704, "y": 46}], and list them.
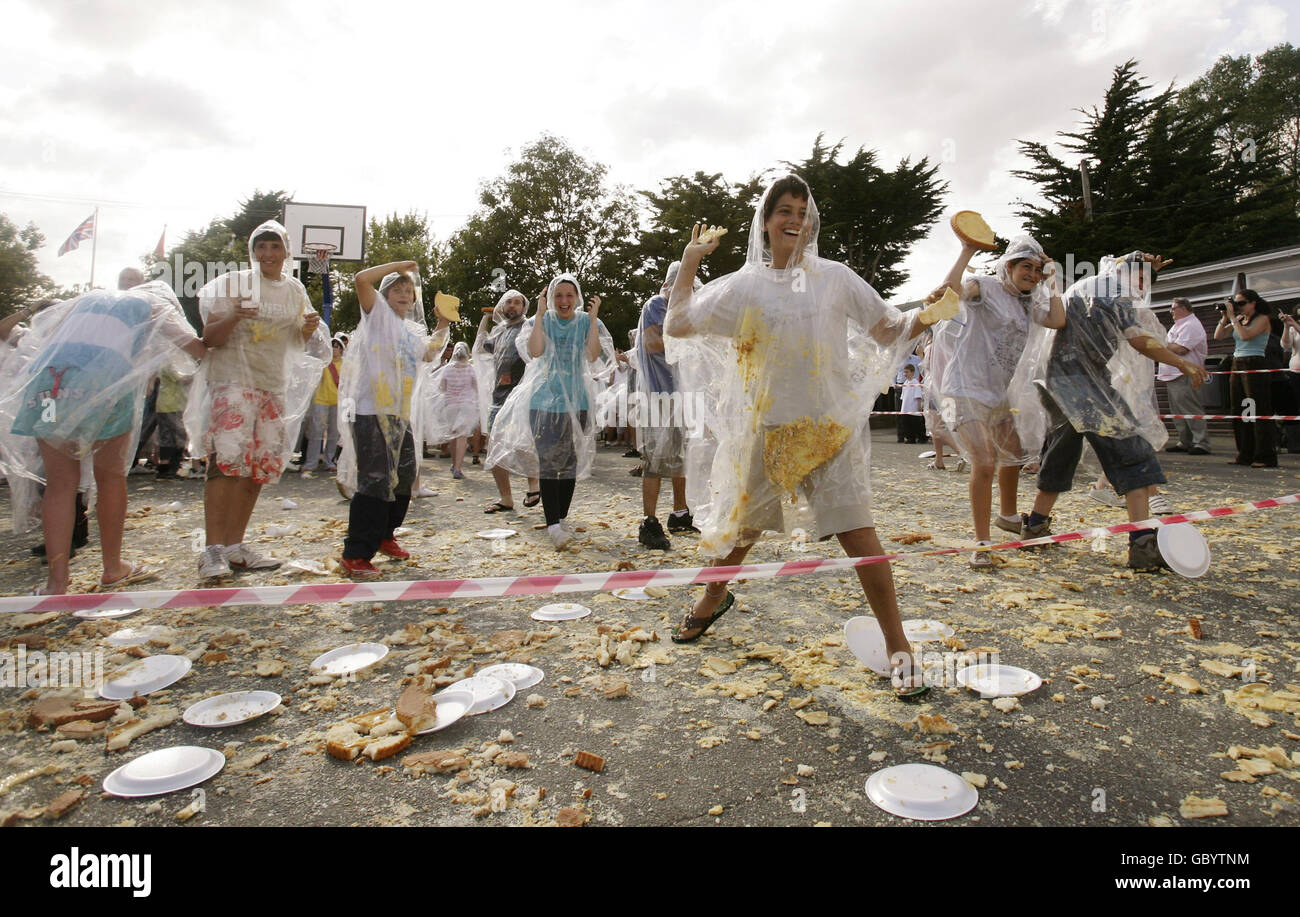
[
  {"x": 561, "y": 611},
  {"x": 104, "y": 612},
  {"x": 231, "y": 709},
  {"x": 633, "y": 594},
  {"x": 493, "y": 534},
  {"x": 152, "y": 673},
  {"x": 165, "y": 771},
  {"x": 488, "y": 693},
  {"x": 134, "y": 636},
  {"x": 517, "y": 673},
  {"x": 1184, "y": 548},
  {"x": 992, "y": 680},
  {"x": 926, "y": 631},
  {"x": 348, "y": 659},
  {"x": 926, "y": 455},
  {"x": 452, "y": 706},
  {"x": 921, "y": 791},
  {"x": 867, "y": 643}
]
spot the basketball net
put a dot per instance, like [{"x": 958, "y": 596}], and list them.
[{"x": 319, "y": 255}]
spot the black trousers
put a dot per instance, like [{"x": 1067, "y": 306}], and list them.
[
  {"x": 1255, "y": 441},
  {"x": 370, "y": 521},
  {"x": 557, "y": 496}
]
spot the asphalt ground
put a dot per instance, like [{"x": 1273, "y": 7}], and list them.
[{"x": 767, "y": 720}]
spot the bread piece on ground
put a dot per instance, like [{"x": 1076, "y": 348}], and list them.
[
  {"x": 417, "y": 709},
  {"x": 55, "y": 711},
  {"x": 386, "y": 747},
  {"x": 344, "y": 742},
  {"x": 587, "y": 760},
  {"x": 122, "y": 736},
  {"x": 386, "y": 728},
  {"x": 571, "y": 817},
  {"x": 365, "y": 721},
  {"x": 440, "y": 762},
  {"x": 63, "y": 803}
]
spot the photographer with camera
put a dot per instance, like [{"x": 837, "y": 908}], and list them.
[{"x": 1247, "y": 317}]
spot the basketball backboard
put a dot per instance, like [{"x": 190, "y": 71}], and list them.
[{"x": 340, "y": 225}]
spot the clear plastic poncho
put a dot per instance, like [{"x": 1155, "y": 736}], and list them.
[
  {"x": 78, "y": 376},
  {"x": 379, "y": 381},
  {"x": 1086, "y": 373},
  {"x": 547, "y": 426},
  {"x": 265, "y": 373},
  {"x": 492, "y": 362},
  {"x": 786, "y": 365},
  {"x": 985, "y": 345},
  {"x": 451, "y": 399}
]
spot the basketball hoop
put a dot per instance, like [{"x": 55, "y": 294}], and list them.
[{"x": 319, "y": 253}]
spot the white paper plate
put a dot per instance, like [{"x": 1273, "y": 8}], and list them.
[
  {"x": 152, "y": 673},
  {"x": 928, "y": 454},
  {"x": 488, "y": 693},
  {"x": 496, "y": 533},
  {"x": 921, "y": 791},
  {"x": 165, "y": 771},
  {"x": 104, "y": 612},
  {"x": 1184, "y": 548},
  {"x": 926, "y": 631},
  {"x": 134, "y": 636},
  {"x": 452, "y": 706},
  {"x": 633, "y": 594},
  {"x": 517, "y": 673},
  {"x": 867, "y": 643},
  {"x": 560, "y": 611},
  {"x": 998, "y": 680},
  {"x": 348, "y": 659},
  {"x": 231, "y": 709}
]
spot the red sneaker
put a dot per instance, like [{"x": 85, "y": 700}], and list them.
[
  {"x": 390, "y": 547},
  {"x": 359, "y": 568}
]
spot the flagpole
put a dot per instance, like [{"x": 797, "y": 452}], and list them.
[{"x": 94, "y": 245}]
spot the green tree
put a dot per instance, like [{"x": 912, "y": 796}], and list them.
[
  {"x": 398, "y": 237},
  {"x": 870, "y": 218},
  {"x": 1168, "y": 172},
  {"x": 552, "y": 211},
  {"x": 21, "y": 281}
]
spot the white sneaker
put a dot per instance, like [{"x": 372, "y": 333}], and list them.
[
  {"x": 1106, "y": 497},
  {"x": 242, "y": 557},
  {"x": 560, "y": 537},
  {"x": 307, "y": 475},
  {"x": 981, "y": 560},
  {"x": 213, "y": 564},
  {"x": 1160, "y": 506},
  {"x": 426, "y": 492}
]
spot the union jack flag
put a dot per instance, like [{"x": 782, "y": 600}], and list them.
[{"x": 82, "y": 233}]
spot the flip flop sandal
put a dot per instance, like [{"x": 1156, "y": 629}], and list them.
[
  {"x": 532, "y": 498},
  {"x": 908, "y": 692},
  {"x": 499, "y": 507},
  {"x": 688, "y": 625},
  {"x": 139, "y": 573}
]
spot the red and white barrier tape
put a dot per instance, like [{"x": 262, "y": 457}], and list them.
[
  {"x": 543, "y": 584},
  {"x": 1246, "y": 372}
]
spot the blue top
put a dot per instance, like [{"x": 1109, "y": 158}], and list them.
[
  {"x": 563, "y": 389},
  {"x": 656, "y": 372},
  {"x": 1252, "y": 348}
]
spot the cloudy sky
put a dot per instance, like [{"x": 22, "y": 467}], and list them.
[{"x": 169, "y": 114}]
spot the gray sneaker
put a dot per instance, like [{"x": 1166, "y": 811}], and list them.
[
  {"x": 1014, "y": 526},
  {"x": 212, "y": 563},
  {"x": 1144, "y": 553},
  {"x": 242, "y": 557}
]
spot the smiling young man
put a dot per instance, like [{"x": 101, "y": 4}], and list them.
[
  {"x": 258, "y": 323},
  {"x": 791, "y": 348}
]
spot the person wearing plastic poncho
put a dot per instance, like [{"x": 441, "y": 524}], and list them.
[
  {"x": 789, "y": 354},
  {"x": 501, "y": 366},
  {"x": 78, "y": 389},
  {"x": 1091, "y": 381},
  {"x": 661, "y": 412},
  {"x": 985, "y": 344},
  {"x": 546, "y": 429},
  {"x": 247, "y": 401},
  {"x": 377, "y": 386},
  {"x": 452, "y": 406},
  {"x": 934, "y": 361}
]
